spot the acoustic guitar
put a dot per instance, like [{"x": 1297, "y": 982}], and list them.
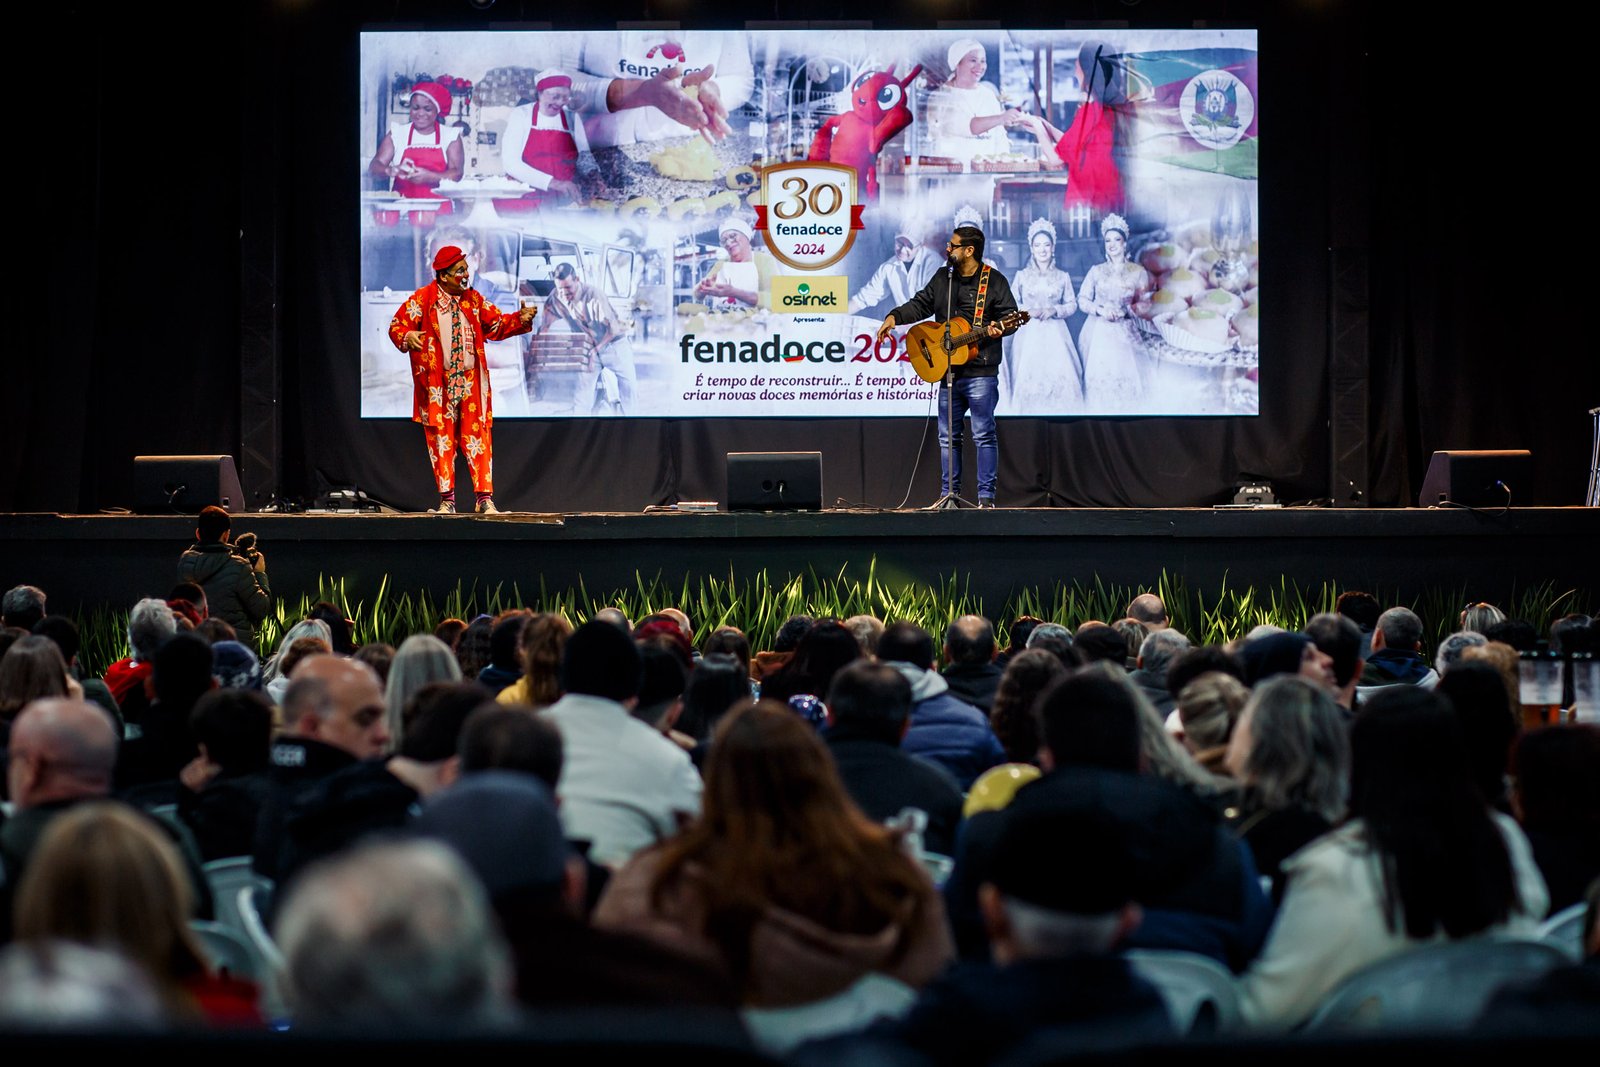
[{"x": 932, "y": 356}]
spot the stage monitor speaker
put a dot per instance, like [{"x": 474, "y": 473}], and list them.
[
  {"x": 163, "y": 485},
  {"x": 774, "y": 481},
  {"x": 1478, "y": 478}
]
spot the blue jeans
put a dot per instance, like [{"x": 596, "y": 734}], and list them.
[{"x": 977, "y": 395}]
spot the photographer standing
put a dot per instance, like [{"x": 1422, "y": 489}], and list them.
[{"x": 233, "y": 576}]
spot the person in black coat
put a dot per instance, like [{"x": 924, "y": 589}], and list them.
[{"x": 869, "y": 710}]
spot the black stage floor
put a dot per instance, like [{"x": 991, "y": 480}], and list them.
[{"x": 91, "y": 559}]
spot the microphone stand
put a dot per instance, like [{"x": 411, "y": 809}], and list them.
[{"x": 949, "y": 500}]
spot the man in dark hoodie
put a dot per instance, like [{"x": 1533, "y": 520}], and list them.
[
  {"x": 235, "y": 584},
  {"x": 944, "y": 729},
  {"x": 1396, "y": 655}
]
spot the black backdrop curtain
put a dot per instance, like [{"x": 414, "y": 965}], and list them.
[{"x": 139, "y": 350}]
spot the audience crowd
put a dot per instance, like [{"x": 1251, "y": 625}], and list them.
[{"x": 866, "y": 839}]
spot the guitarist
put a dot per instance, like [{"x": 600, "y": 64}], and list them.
[
  {"x": 584, "y": 310},
  {"x": 970, "y": 290}
]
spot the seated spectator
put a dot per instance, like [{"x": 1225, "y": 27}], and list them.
[
  {"x": 731, "y": 641},
  {"x": 1503, "y": 658},
  {"x": 1396, "y": 654},
  {"x": 393, "y": 935},
  {"x": 1291, "y": 757},
  {"x": 869, "y": 711},
  {"x": 718, "y": 683},
  {"x": 1095, "y": 641},
  {"x": 62, "y": 755},
  {"x": 235, "y": 583},
  {"x": 1152, "y": 661},
  {"x": 64, "y": 632},
  {"x": 1452, "y": 648},
  {"x": 105, "y": 876},
  {"x": 274, "y": 675},
  {"x": 662, "y": 680},
  {"x": 333, "y": 716},
  {"x": 1479, "y": 616},
  {"x": 1556, "y": 798},
  {"x": 506, "y": 827},
  {"x": 149, "y": 624},
  {"x": 1057, "y": 904},
  {"x": 825, "y": 649},
  {"x": 944, "y": 729},
  {"x": 1055, "y": 639},
  {"x": 233, "y": 666},
  {"x": 225, "y": 786},
  {"x": 289, "y": 657},
  {"x": 1338, "y": 638},
  {"x": 56, "y": 985},
  {"x": 449, "y": 631},
  {"x": 1147, "y": 608},
  {"x": 511, "y": 739},
  {"x": 341, "y": 629},
  {"x": 1570, "y": 633},
  {"x": 149, "y": 764},
  {"x": 615, "y": 617},
  {"x": 969, "y": 652},
  {"x": 1197, "y": 885},
  {"x": 783, "y": 646},
  {"x": 623, "y": 786},
  {"x": 1518, "y": 633},
  {"x": 1020, "y": 630},
  {"x": 1488, "y": 726},
  {"x": 1133, "y": 634},
  {"x": 1029, "y": 673},
  {"x": 1421, "y": 858},
  {"x": 32, "y": 669},
  {"x": 1208, "y": 713},
  {"x": 378, "y": 656},
  {"x": 1190, "y": 664},
  {"x": 214, "y": 630},
  {"x": 22, "y": 607},
  {"x": 372, "y": 796},
  {"x": 866, "y": 629},
  {"x": 1362, "y": 609},
  {"x": 472, "y": 647},
  {"x": 782, "y": 881},
  {"x": 421, "y": 659},
  {"x": 1285, "y": 653},
  {"x": 505, "y": 647}
]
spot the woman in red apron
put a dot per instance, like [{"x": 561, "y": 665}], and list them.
[
  {"x": 542, "y": 144},
  {"x": 421, "y": 153}
]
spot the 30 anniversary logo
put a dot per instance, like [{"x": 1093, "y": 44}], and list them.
[{"x": 809, "y": 213}]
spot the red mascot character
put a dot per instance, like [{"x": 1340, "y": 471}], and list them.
[{"x": 878, "y": 111}]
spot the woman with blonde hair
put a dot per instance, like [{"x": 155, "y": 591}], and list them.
[
  {"x": 543, "y": 640},
  {"x": 1209, "y": 708},
  {"x": 104, "y": 875},
  {"x": 421, "y": 658},
  {"x": 782, "y": 880}
]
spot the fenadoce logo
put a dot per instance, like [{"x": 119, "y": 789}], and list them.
[{"x": 823, "y": 294}]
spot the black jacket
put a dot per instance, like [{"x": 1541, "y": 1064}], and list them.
[
  {"x": 882, "y": 779},
  {"x": 931, "y": 301}
]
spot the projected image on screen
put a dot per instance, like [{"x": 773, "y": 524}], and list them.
[{"x": 625, "y": 183}]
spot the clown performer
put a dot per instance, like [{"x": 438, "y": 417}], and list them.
[
  {"x": 422, "y": 152},
  {"x": 443, "y": 326},
  {"x": 544, "y": 145}
]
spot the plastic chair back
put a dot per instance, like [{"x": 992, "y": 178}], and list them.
[
  {"x": 1202, "y": 995},
  {"x": 1564, "y": 930},
  {"x": 227, "y": 950},
  {"x": 1437, "y": 987}
]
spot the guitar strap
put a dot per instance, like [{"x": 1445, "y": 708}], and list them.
[{"x": 983, "y": 294}]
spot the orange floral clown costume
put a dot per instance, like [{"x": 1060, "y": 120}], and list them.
[{"x": 450, "y": 378}]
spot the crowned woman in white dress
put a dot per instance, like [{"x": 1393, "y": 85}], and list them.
[
  {"x": 1113, "y": 382},
  {"x": 1046, "y": 371}
]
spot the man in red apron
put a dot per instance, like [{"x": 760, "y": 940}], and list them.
[
  {"x": 420, "y": 153},
  {"x": 543, "y": 144},
  {"x": 443, "y": 326}
]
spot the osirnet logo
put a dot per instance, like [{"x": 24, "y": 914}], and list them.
[{"x": 816, "y": 294}]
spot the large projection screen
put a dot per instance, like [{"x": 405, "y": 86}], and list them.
[{"x": 670, "y": 286}]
